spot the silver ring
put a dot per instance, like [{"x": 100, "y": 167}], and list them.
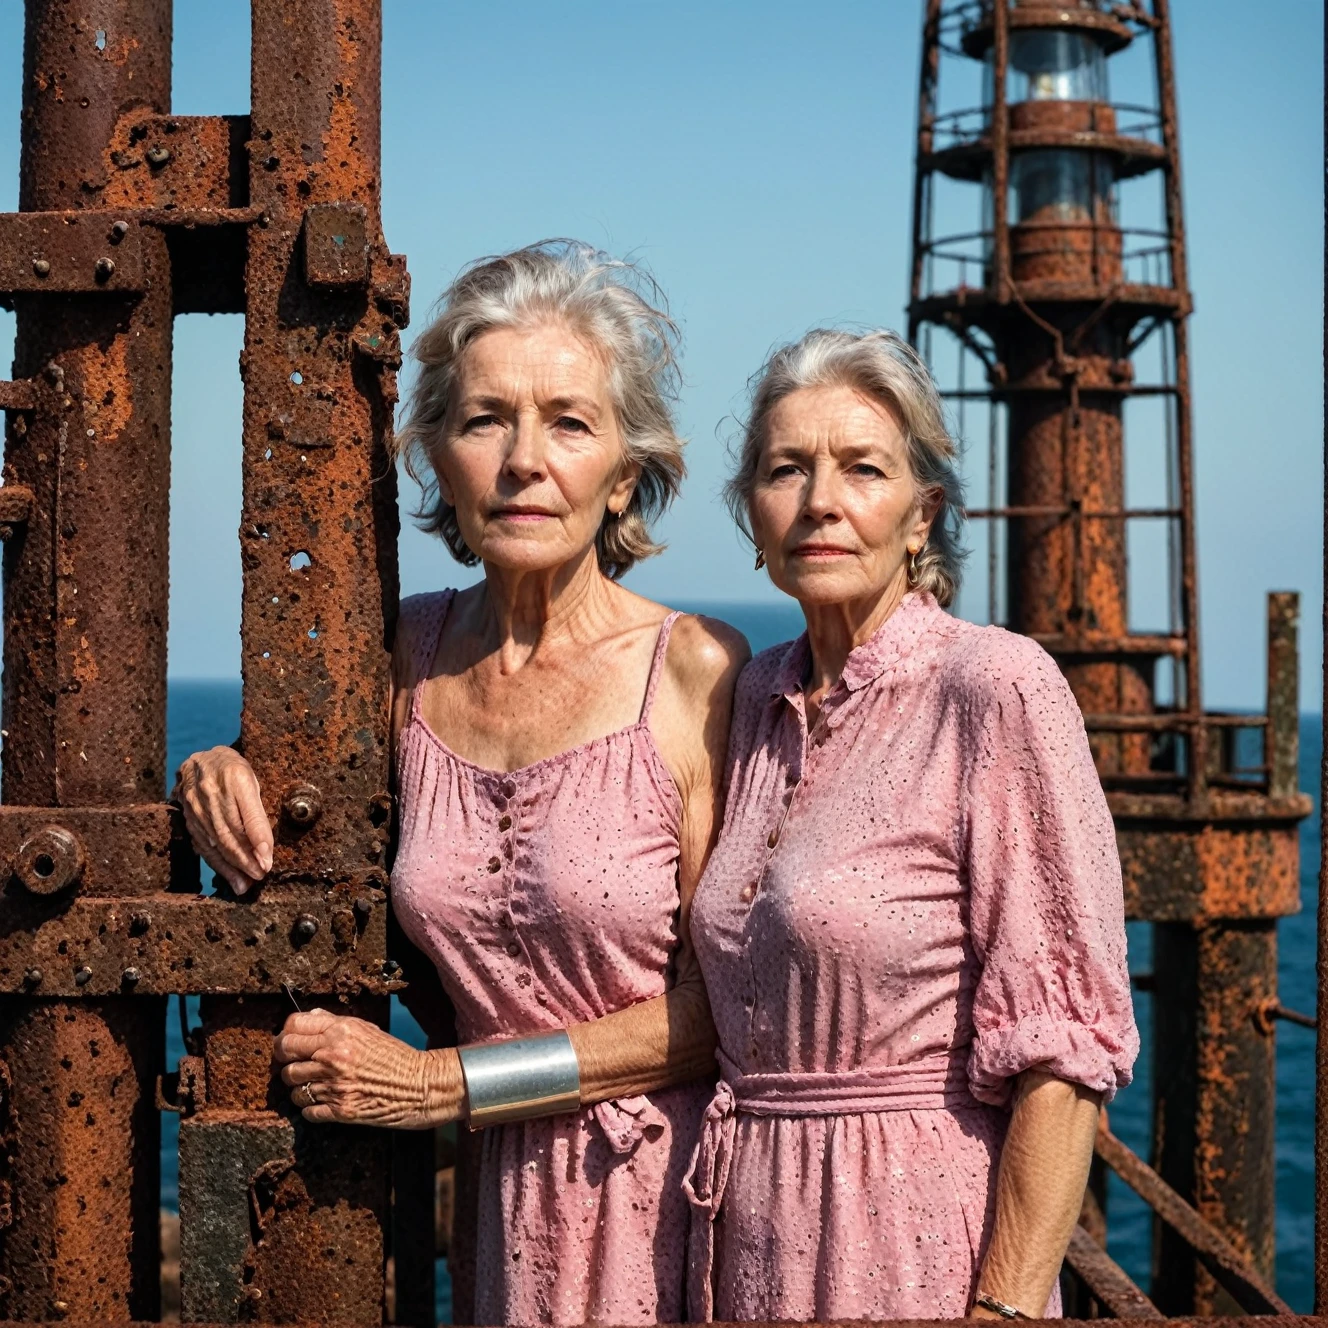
[{"x": 309, "y": 1099}]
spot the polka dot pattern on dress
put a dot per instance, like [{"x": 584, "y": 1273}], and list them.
[
  {"x": 907, "y": 907},
  {"x": 548, "y": 896}
]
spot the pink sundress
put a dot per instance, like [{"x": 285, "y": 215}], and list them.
[{"x": 548, "y": 896}]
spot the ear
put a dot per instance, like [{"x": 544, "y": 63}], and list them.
[
  {"x": 929, "y": 503},
  {"x": 445, "y": 491},
  {"x": 623, "y": 488}
]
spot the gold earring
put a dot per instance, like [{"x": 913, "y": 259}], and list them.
[
  {"x": 913, "y": 566},
  {"x": 760, "y": 559}
]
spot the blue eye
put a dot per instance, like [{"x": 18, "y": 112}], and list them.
[{"x": 572, "y": 423}]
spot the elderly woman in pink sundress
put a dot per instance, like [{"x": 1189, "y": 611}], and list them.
[
  {"x": 911, "y": 928},
  {"x": 559, "y": 751}
]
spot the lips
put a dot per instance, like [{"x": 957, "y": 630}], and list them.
[
  {"x": 521, "y": 514},
  {"x": 821, "y": 551}
]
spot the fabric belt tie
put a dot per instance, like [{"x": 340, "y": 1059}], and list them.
[{"x": 932, "y": 1083}]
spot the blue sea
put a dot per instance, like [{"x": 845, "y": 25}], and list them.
[{"x": 203, "y": 714}]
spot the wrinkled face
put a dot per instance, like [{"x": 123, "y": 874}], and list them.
[
  {"x": 835, "y": 507},
  {"x": 531, "y": 456}
]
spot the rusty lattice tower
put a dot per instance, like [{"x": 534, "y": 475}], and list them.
[{"x": 1056, "y": 303}]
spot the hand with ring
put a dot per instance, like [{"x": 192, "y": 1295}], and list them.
[{"x": 350, "y": 1071}]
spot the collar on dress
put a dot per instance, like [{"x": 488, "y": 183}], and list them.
[{"x": 895, "y": 637}]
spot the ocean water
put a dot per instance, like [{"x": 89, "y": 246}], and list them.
[{"x": 204, "y": 714}]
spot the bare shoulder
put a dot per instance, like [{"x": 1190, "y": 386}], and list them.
[{"x": 705, "y": 655}]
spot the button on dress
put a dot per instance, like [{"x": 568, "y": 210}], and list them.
[
  {"x": 548, "y": 896},
  {"x": 906, "y": 908}
]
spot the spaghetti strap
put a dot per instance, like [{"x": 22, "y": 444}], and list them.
[
  {"x": 657, "y": 664},
  {"x": 429, "y": 613}
]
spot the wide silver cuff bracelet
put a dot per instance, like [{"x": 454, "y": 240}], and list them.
[{"x": 521, "y": 1079}]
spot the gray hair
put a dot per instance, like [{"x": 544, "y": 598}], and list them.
[
  {"x": 618, "y": 306},
  {"x": 884, "y": 366}
]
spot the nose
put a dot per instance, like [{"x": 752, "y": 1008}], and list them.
[
  {"x": 525, "y": 454},
  {"x": 821, "y": 500}
]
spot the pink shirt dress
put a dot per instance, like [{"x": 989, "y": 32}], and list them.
[
  {"x": 548, "y": 896},
  {"x": 906, "y": 908}
]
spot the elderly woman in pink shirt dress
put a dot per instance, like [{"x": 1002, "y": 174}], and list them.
[
  {"x": 559, "y": 751},
  {"x": 911, "y": 928}
]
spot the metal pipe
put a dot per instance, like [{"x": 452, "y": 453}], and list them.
[{"x": 85, "y": 674}]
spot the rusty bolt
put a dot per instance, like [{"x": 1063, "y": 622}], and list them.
[
  {"x": 302, "y": 805},
  {"x": 60, "y": 1307},
  {"x": 33, "y": 977},
  {"x": 131, "y": 976},
  {"x": 139, "y": 923},
  {"x": 119, "y": 229},
  {"x": 306, "y": 927},
  {"x": 82, "y": 976},
  {"x": 364, "y": 906},
  {"x": 41, "y": 267},
  {"x": 49, "y": 861},
  {"x": 158, "y": 156},
  {"x": 104, "y": 268}
]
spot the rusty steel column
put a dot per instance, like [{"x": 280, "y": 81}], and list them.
[
  {"x": 85, "y": 651},
  {"x": 305, "y": 1209}
]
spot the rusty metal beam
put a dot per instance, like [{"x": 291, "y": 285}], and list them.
[
  {"x": 158, "y": 944},
  {"x": 1227, "y": 1265},
  {"x": 1107, "y": 1280},
  {"x": 305, "y": 1235}
]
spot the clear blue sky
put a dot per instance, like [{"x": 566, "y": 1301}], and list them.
[{"x": 759, "y": 157}]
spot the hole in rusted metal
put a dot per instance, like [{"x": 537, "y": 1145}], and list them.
[
  {"x": 297, "y": 378},
  {"x": 43, "y": 864},
  {"x": 300, "y": 561},
  {"x": 101, "y": 39}
]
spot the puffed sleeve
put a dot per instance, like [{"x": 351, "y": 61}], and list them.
[{"x": 1046, "y": 909}]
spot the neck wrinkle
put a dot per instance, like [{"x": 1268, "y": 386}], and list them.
[
  {"x": 834, "y": 631},
  {"x": 522, "y": 613}
]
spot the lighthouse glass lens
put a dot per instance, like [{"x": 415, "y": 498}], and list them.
[
  {"x": 1047, "y": 65},
  {"x": 1060, "y": 184}
]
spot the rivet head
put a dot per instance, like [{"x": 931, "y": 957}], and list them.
[
  {"x": 158, "y": 156},
  {"x": 104, "y": 269},
  {"x": 119, "y": 229},
  {"x": 139, "y": 923},
  {"x": 49, "y": 861},
  {"x": 302, "y": 805},
  {"x": 391, "y": 968},
  {"x": 306, "y": 927},
  {"x": 33, "y": 977},
  {"x": 364, "y": 906},
  {"x": 82, "y": 976},
  {"x": 41, "y": 267},
  {"x": 131, "y": 976}
]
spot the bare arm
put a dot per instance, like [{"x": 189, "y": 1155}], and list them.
[{"x": 1039, "y": 1191}]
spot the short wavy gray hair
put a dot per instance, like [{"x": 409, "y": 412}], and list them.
[
  {"x": 620, "y": 309},
  {"x": 882, "y": 365}
]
